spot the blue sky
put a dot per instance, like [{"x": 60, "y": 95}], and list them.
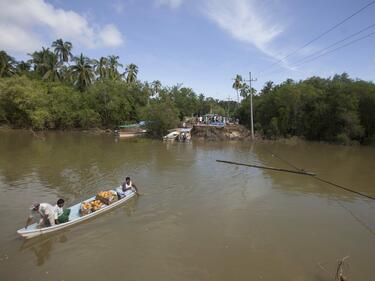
[{"x": 200, "y": 43}]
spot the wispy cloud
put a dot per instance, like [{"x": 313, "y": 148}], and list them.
[
  {"x": 118, "y": 6},
  {"x": 173, "y": 4},
  {"x": 23, "y": 21},
  {"x": 245, "y": 21}
]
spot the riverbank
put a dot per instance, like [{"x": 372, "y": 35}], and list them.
[
  {"x": 94, "y": 131},
  {"x": 208, "y": 133},
  {"x": 228, "y": 132}
]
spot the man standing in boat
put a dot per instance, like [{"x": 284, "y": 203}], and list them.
[{"x": 42, "y": 211}]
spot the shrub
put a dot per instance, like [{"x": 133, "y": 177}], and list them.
[{"x": 161, "y": 116}]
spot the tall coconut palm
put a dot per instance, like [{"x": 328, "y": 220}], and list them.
[
  {"x": 62, "y": 50},
  {"x": 131, "y": 71},
  {"x": 66, "y": 74},
  {"x": 40, "y": 60},
  {"x": 268, "y": 86},
  {"x": 237, "y": 85},
  {"x": 113, "y": 64},
  {"x": 23, "y": 67},
  {"x": 244, "y": 91},
  {"x": 156, "y": 87},
  {"x": 52, "y": 66},
  {"x": 7, "y": 65},
  {"x": 82, "y": 72},
  {"x": 101, "y": 68}
]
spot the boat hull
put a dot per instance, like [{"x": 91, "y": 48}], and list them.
[
  {"x": 32, "y": 231},
  {"x": 131, "y": 134}
]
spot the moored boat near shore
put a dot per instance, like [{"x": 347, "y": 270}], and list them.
[
  {"x": 131, "y": 130},
  {"x": 180, "y": 134}
]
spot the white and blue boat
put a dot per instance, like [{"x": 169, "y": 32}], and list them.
[{"x": 75, "y": 217}]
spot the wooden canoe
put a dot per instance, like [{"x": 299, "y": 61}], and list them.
[{"x": 75, "y": 217}]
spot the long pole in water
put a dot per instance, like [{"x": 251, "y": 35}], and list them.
[
  {"x": 322, "y": 180},
  {"x": 301, "y": 172}
]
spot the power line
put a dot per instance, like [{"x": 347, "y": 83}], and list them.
[
  {"x": 323, "y": 53},
  {"x": 340, "y": 47},
  {"x": 320, "y": 35},
  {"x": 336, "y": 43}
]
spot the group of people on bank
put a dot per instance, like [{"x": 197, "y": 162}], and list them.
[{"x": 45, "y": 215}]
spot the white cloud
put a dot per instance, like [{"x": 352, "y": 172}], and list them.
[
  {"x": 23, "y": 21},
  {"x": 245, "y": 21},
  {"x": 110, "y": 36},
  {"x": 170, "y": 3},
  {"x": 17, "y": 40},
  {"x": 118, "y": 6}
]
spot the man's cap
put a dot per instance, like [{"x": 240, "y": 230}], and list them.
[{"x": 34, "y": 206}]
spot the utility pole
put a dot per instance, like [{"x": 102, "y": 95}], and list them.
[{"x": 251, "y": 104}]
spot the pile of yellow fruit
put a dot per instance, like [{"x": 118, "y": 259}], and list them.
[
  {"x": 106, "y": 194},
  {"x": 96, "y": 205},
  {"x": 91, "y": 206},
  {"x": 86, "y": 205}
]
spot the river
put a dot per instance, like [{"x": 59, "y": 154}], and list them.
[{"x": 198, "y": 219}]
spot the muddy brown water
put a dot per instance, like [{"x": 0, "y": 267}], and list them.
[{"x": 198, "y": 219}]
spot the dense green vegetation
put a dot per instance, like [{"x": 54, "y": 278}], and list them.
[
  {"x": 338, "y": 109},
  {"x": 56, "y": 90}
]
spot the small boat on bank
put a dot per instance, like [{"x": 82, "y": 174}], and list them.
[
  {"x": 132, "y": 130},
  {"x": 131, "y": 134},
  {"x": 180, "y": 134},
  {"x": 75, "y": 217}
]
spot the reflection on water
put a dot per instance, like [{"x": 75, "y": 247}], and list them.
[
  {"x": 41, "y": 247},
  {"x": 198, "y": 219}
]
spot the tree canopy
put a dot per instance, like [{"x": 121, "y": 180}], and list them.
[
  {"x": 337, "y": 109},
  {"x": 56, "y": 90}
]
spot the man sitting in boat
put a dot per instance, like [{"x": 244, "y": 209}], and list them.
[
  {"x": 43, "y": 212},
  {"x": 61, "y": 215},
  {"x": 126, "y": 186}
]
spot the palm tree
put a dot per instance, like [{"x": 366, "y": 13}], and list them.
[
  {"x": 82, "y": 72},
  {"x": 244, "y": 91},
  {"x": 62, "y": 50},
  {"x": 156, "y": 86},
  {"x": 66, "y": 74},
  {"x": 268, "y": 86},
  {"x": 52, "y": 66},
  {"x": 131, "y": 71},
  {"x": 101, "y": 68},
  {"x": 237, "y": 85},
  {"x": 7, "y": 65},
  {"x": 23, "y": 67},
  {"x": 113, "y": 65},
  {"x": 40, "y": 60}
]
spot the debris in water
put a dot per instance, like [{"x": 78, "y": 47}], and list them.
[{"x": 340, "y": 270}]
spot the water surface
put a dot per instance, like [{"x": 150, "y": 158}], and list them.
[{"x": 198, "y": 219}]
